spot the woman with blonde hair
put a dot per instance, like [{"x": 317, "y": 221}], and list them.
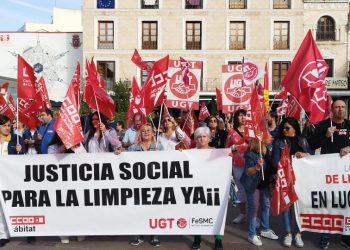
[
  {"x": 255, "y": 181},
  {"x": 172, "y": 134}
]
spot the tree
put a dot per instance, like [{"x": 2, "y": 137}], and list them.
[{"x": 120, "y": 96}]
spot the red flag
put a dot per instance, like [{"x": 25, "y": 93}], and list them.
[
  {"x": 282, "y": 94},
  {"x": 136, "y": 58},
  {"x": 27, "y": 109},
  {"x": 328, "y": 112},
  {"x": 26, "y": 80},
  {"x": 136, "y": 105},
  {"x": 283, "y": 195},
  {"x": 98, "y": 99},
  {"x": 266, "y": 89},
  {"x": 154, "y": 88},
  {"x": 3, "y": 88},
  {"x": 191, "y": 123},
  {"x": 251, "y": 72},
  {"x": 218, "y": 99},
  {"x": 319, "y": 104},
  {"x": 93, "y": 76},
  {"x": 76, "y": 82},
  {"x": 12, "y": 105},
  {"x": 165, "y": 111},
  {"x": 308, "y": 68},
  {"x": 67, "y": 124},
  {"x": 41, "y": 92},
  {"x": 5, "y": 109},
  {"x": 203, "y": 112},
  {"x": 255, "y": 126},
  {"x": 184, "y": 71},
  {"x": 293, "y": 108}
]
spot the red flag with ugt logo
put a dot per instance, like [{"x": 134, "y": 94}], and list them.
[
  {"x": 12, "y": 105},
  {"x": 135, "y": 105},
  {"x": 307, "y": 71},
  {"x": 25, "y": 80},
  {"x": 283, "y": 195},
  {"x": 293, "y": 108},
  {"x": 154, "y": 88},
  {"x": 68, "y": 125},
  {"x": 203, "y": 112},
  {"x": 3, "y": 88}
]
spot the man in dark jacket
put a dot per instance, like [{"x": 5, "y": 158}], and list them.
[{"x": 333, "y": 136}]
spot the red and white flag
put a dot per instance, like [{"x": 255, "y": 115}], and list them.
[
  {"x": 76, "y": 82},
  {"x": 251, "y": 72},
  {"x": 42, "y": 97},
  {"x": 306, "y": 74},
  {"x": 255, "y": 125},
  {"x": 136, "y": 58},
  {"x": 293, "y": 108},
  {"x": 12, "y": 105},
  {"x": 3, "y": 88},
  {"x": 283, "y": 107},
  {"x": 154, "y": 88},
  {"x": 25, "y": 80},
  {"x": 67, "y": 124},
  {"x": 5, "y": 109},
  {"x": 136, "y": 105},
  {"x": 203, "y": 112},
  {"x": 283, "y": 195}
]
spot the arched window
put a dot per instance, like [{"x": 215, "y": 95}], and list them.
[{"x": 325, "y": 29}]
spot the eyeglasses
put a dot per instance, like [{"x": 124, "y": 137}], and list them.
[{"x": 287, "y": 128}]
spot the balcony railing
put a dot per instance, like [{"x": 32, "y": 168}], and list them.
[
  {"x": 149, "y": 45},
  {"x": 237, "y": 45},
  {"x": 149, "y": 4},
  {"x": 194, "y": 4},
  {"x": 325, "y": 35},
  {"x": 326, "y": 1},
  {"x": 105, "y": 44},
  {"x": 281, "y": 4},
  {"x": 193, "y": 45},
  {"x": 237, "y": 4},
  {"x": 280, "y": 45}
]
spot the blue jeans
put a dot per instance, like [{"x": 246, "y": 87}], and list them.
[
  {"x": 289, "y": 220},
  {"x": 254, "y": 200}
]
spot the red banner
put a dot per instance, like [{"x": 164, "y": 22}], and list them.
[
  {"x": 68, "y": 125},
  {"x": 26, "y": 80},
  {"x": 203, "y": 112}
]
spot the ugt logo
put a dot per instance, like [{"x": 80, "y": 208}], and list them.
[{"x": 313, "y": 72}]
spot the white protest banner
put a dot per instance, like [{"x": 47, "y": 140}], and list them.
[
  {"x": 179, "y": 95},
  {"x": 323, "y": 187},
  {"x": 234, "y": 94},
  {"x": 134, "y": 193}
]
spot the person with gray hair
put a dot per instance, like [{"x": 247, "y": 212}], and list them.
[{"x": 202, "y": 136}]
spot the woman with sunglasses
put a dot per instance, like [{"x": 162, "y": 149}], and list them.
[
  {"x": 218, "y": 136},
  {"x": 100, "y": 138},
  {"x": 289, "y": 132},
  {"x": 172, "y": 134},
  {"x": 8, "y": 146},
  {"x": 146, "y": 142}
]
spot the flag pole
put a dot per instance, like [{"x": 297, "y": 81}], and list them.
[
  {"x": 262, "y": 168},
  {"x": 17, "y": 122},
  {"x": 160, "y": 120},
  {"x": 99, "y": 117},
  {"x": 331, "y": 133}
]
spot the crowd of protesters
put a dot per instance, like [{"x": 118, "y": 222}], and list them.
[{"x": 253, "y": 167}]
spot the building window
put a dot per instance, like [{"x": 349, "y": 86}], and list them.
[
  {"x": 194, "y": 4},
  {"x": 149, "y": 35},
  {"x": 281, "y": 4},
  {"x": 279, "y": 70},
  {"x": 105, "y": 34},
  {"x": 330, "y": 63},
  {"x": 237, "y": 4},
  {"x": 106, "y": 69},
  {"x": 325, "y": 29},
  {"x": 281, "y": 35},
  {"x": 144, "y": 73},
  {"x": 105, "y": 4},
  {"x": 194, "y": 35},
  {"x": 237, "y": 35},
  {"x": 149, "y": 4}
]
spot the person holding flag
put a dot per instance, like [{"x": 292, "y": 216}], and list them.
[
  {"x": 289, "y": 133},
  {"x": 255, "y": 180}
]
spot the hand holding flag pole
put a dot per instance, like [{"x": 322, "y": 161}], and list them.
[{"x": 99, "y": 117}]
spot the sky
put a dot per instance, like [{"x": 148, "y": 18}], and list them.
[{"x": 14, "y": 13}]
